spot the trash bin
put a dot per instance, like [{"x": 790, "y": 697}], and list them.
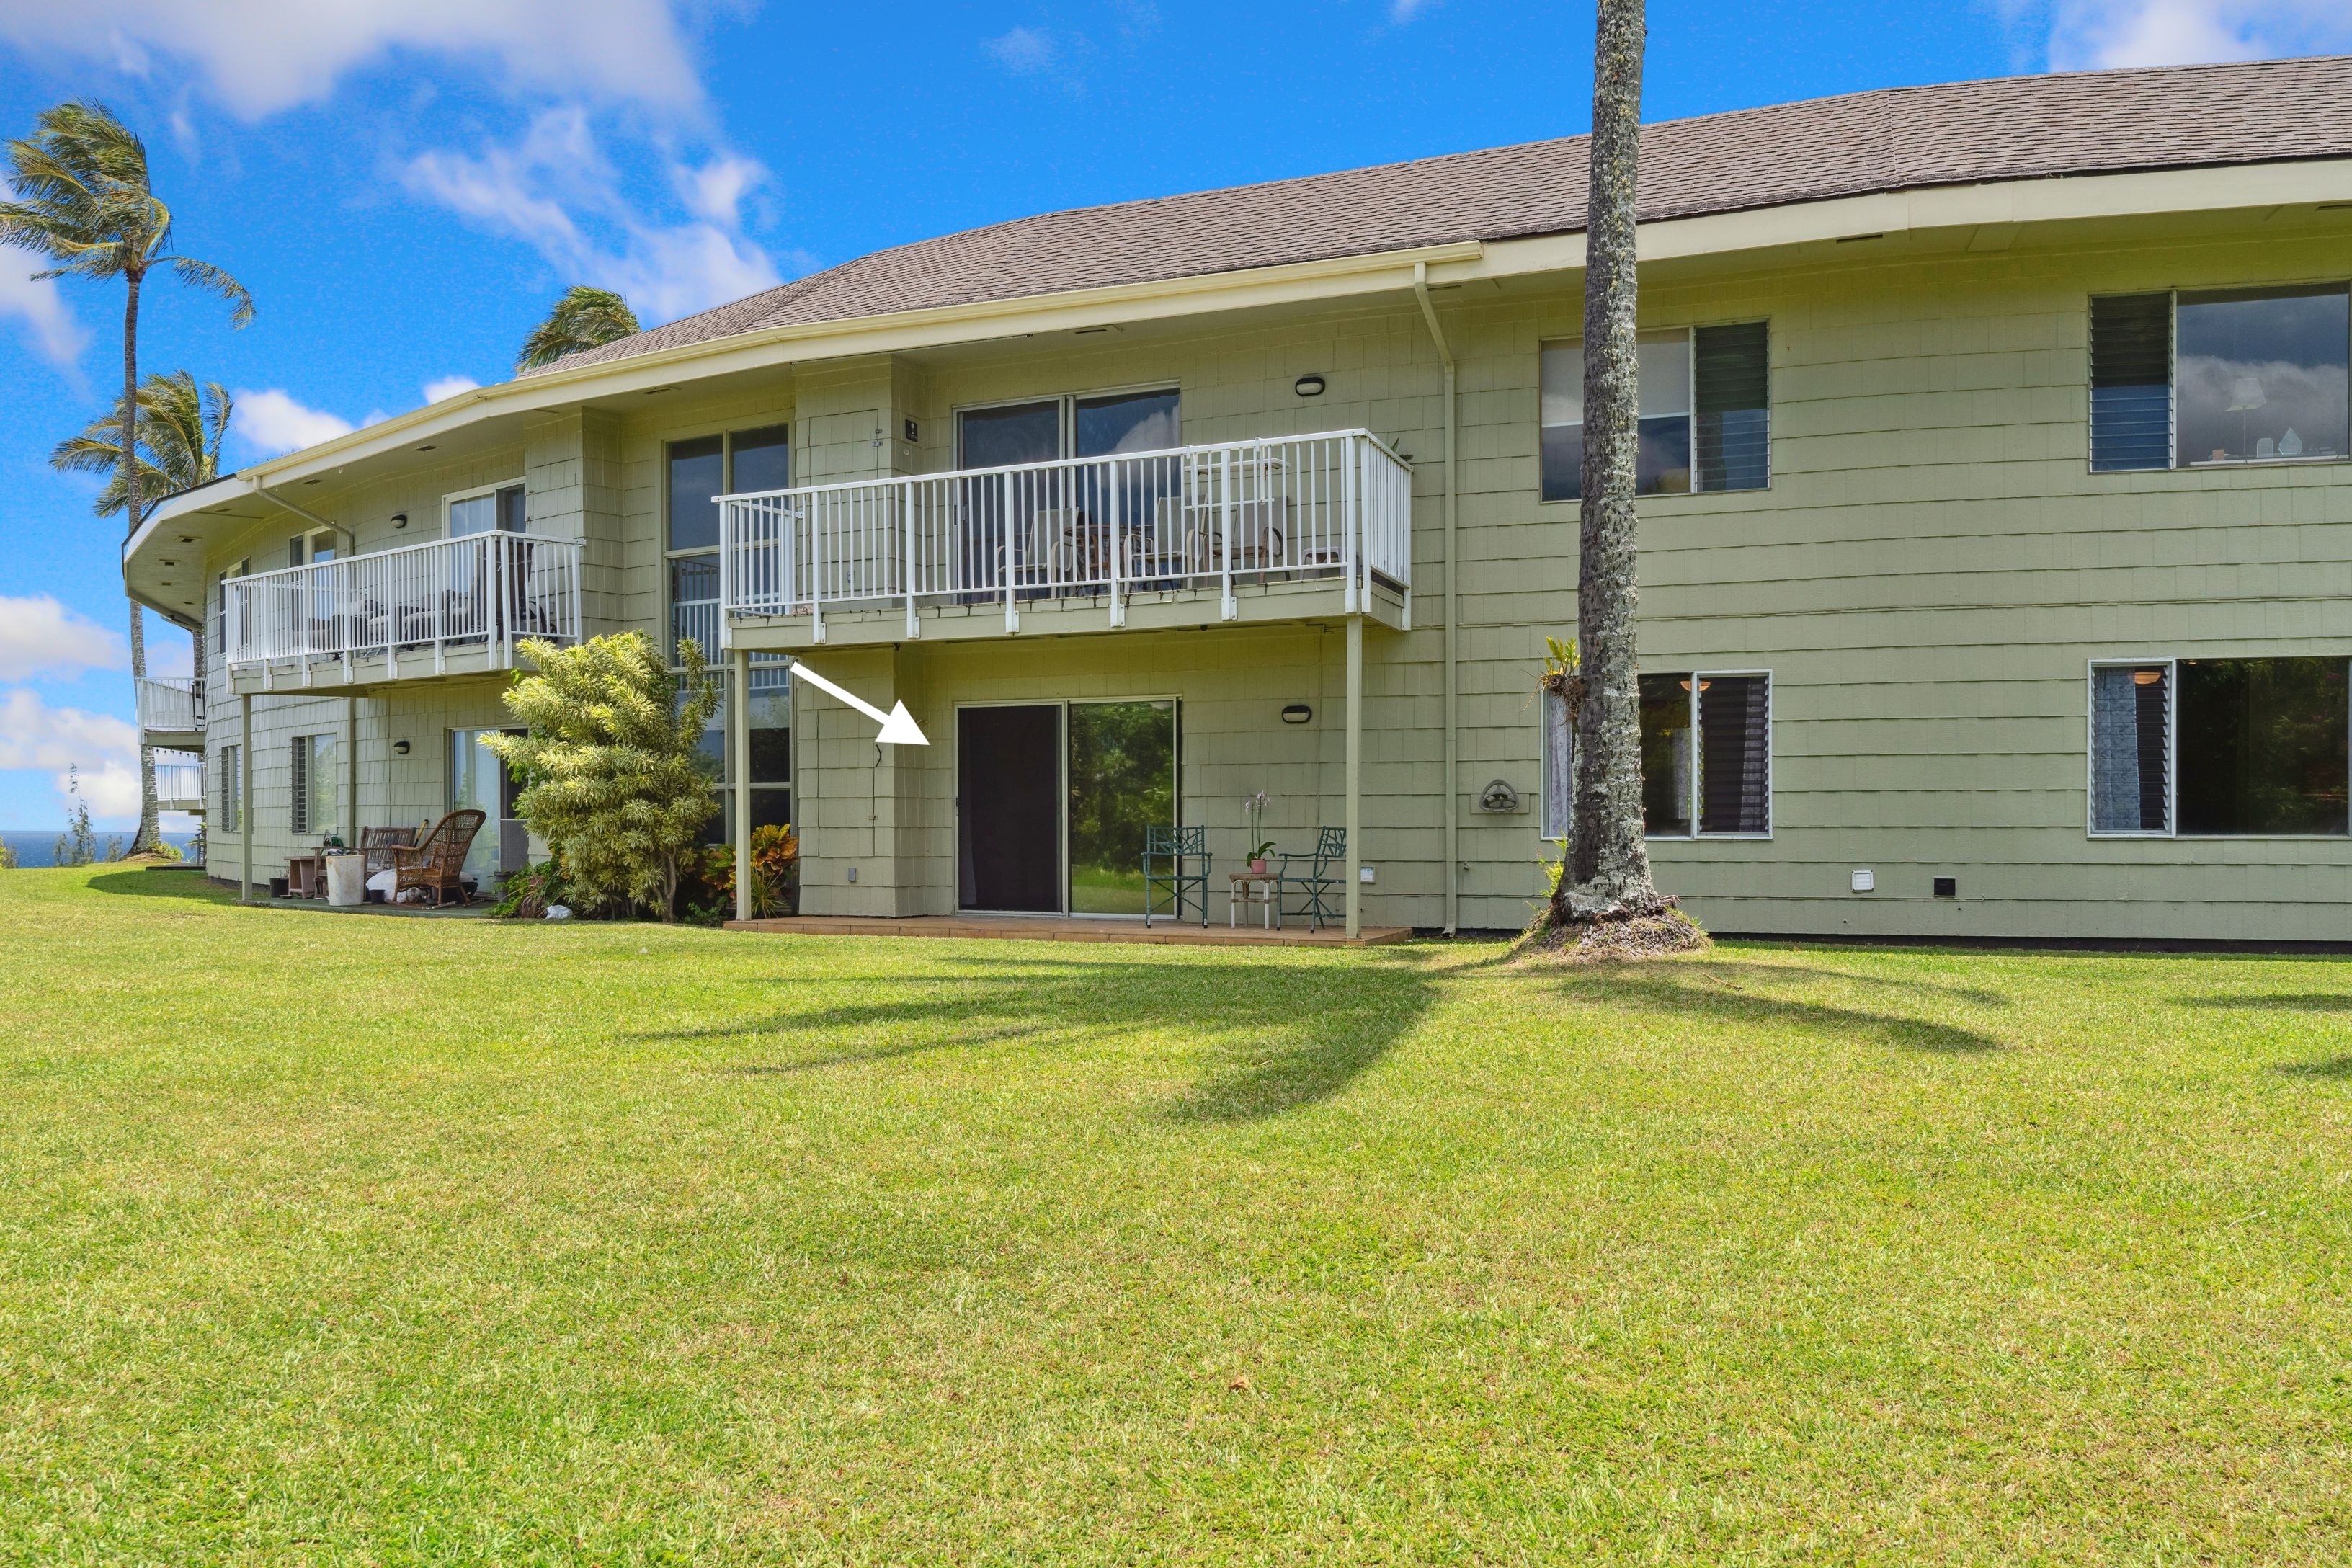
[{"x": 346, "y": 880}]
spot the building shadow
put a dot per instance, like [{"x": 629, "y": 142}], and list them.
[{"x": 1284, "y": 1034}]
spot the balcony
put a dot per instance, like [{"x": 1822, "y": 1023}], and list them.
[
  {"x": 453, "y": 606},
  {"x": 180, "y": 782},
  {"x": 1285, "y": 529},
  {"x": 170, "y": 714}
]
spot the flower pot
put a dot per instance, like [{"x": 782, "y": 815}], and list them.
[{"x": 1257, "y": 867}]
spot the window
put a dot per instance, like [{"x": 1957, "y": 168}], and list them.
[
  {"x": 1095, "y": 425},
  {"x": 771, "y": 721},
  {"x": 740, "y": 462},
  {"x": 2221, "y": 747},
  {"x": 2245, "y": 375},
  {"x": 480, "y": 782},
  {"x": 1706, "y": 755},
  {"x": 1704, "y": 417},
  {"x": 500, "y": 510},
  {"x": 1558, "y": 766},
  {"x": 311, "y": 785},
  {"x": 232, "y": 788}
]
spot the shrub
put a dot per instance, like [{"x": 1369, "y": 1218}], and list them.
[
  {"x": 612, "y": 778},
  {"x": 775, "y": 873}
]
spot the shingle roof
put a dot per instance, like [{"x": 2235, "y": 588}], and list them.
[{"x": 1895, "y": 138}]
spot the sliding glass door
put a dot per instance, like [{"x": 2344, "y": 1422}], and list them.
[
  {"x": 1122, "y": 779},
  {"x": 1053, "y": 801}
]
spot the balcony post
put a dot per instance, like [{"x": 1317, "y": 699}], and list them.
[
  {"x": 1355, "y": 809},
  {"x": 1351, "y": 523},
  {"x": 906, "y": 527},
  {"x": 244, "y": 797},
  {"x": 1225, "y": 512},
  {"x": 1117, "y": 540},
  {"x": 739, "y": 749},
  {"x": 1004, "y": 556}
]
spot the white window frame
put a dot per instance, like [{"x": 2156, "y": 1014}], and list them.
[
  {"x": 1067, "y": 438},
  {"x": 452, "y": 498},
  {"x": 1697, "y": 678},
  {"x": 2170, "y": 665},
  {"x": 1690, "y": 417},
  {"x": 726, "y": 433}
]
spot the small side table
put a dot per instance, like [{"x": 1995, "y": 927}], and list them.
[
  {"x": 1254, "y": 888},
  {"x": 304, "y": 873}
]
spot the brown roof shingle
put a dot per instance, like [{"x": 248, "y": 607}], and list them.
[{"x": 2015, "y": 128}]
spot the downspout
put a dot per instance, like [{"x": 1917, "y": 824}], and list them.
[
  {"x": 1452, "y": 764},
  {"x": 351, "y": 541}
]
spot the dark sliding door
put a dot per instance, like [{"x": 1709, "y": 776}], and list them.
[{"x": 1008, "y": 808}]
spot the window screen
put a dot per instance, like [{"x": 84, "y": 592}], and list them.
[
  {"x": 232, "y": 788},
  {"x": 1735, "y": 755},
  {"x": 2131, "y": 721},
  {"x": 312, "y": 785},
  {"x": 2263, "y": 745},
  {"x": 1729, "y": 432},
  {"x": 2131, "y": 382}
]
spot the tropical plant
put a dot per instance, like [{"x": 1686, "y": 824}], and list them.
[
  {"x": 584, "y": 318},
  {"x": 613, "y": 777},
  {"x": 78, "y": 844},
  {"x": 775, "y": 872},
  {"x": 181, "y": 427},
  {"x": 528, "y": 893},
  {"x": 1608, "y": 862},
  {"x": 84, "y": 202}
]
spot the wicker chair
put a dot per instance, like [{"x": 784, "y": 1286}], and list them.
[{"x": 436, "y": 864}]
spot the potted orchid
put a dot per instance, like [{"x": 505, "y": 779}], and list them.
[{"x": 1254, "y": 809}]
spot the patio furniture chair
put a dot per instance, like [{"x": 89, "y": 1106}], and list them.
[
  {"x": 376, "y": 845},
  {"x": 1321, "y": 877},
  {"x": 1176, "y": 858},
  {"x": 436, "y": 864}
]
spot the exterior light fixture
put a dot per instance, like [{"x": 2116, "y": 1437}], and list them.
[
  {"x": 1307, "y": 386},
  {"x": 399, "y": 519},
  {"x": 400, "y": 748},
  {"x": 1298, "y": 713},
  {"x": 426, "y": 447}
]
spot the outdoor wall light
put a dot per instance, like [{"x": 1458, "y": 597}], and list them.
[
  {"x": 399, "y": 519},
  {"x": 400, "y": 748},
  {"x": 1307, "y": 386},
  {"x": 1298, "y": 713}
]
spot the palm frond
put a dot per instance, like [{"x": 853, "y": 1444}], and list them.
[
  {"x": 213, "y": 280},
  {"x": 584, "y": 318}
]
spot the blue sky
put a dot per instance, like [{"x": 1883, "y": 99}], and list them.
[{"x": 405, "y": 185}]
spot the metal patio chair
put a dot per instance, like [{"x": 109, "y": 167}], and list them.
[
  {"x": 1319, "y": 878},
  {"x": 1176, "y": 858}
]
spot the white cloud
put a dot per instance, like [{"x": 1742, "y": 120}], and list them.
[
  {"x": 1403, "y": 11},
  {"x": 56, "y": 336},
  {"x": 2088, "y": 35},
  {"x": 270, "y": 422},
  {"x": 111, "y": 788},
  {"x": 1023, "y": 50},
  {"x": 39, "y": 636},
  {"x": 554, "y": 189},
  {"x": 448, "y": 386},
  {"x": 259, "y": 56},
  {"x": 35, "y": 735}
]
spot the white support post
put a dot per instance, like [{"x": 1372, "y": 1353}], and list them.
[
  {"x": 1225, "y": 510},
  {"x": 907, "y": 513},
  {"x": 244, "y": 797},
  {"x": 1118, "y": 542},
  {"x": 1005, "y": 558},
  {"x": 738, "y": 748},
  {"x": 1355, "y": 813},
  {"x": 1351, "y": 521}
]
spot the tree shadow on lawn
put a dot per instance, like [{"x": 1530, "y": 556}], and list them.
[
  {"x": 1292, "y": 1035},
  {"x": 2326, "y": 1068},
  {"x": 1698, "y": 988},
  {"x": 144, "y": 882},
  {"x": 2291, "y": 1002}
]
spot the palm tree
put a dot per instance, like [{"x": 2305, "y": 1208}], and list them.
[
  {"x": 1608, "y": 873},
  {"x": 583, "y": 319},
  {"x": 181, "y": 427},
  {"x": 84, "y": 202}
]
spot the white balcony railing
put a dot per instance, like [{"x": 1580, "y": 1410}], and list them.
[
  {"x": 1334, "y": 506},
  {"x": 168, "y": 706},
  {"x": 179, "y": 782},
  {"x": 483, "y": 591},
  {"x": 695, "y": 618}
]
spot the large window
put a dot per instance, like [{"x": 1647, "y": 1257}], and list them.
[
  {"x": 772, "y": 751},
  {"x": 701, "y": 470},
  {"x": 1095, "y": 425},
  {"x": 478, "y": 781},
  {"x": 2213, "y": 747},
  {"x": 1706, "y": 755},
  {"x": 497, "y": 509},
  {"x": 1704, "y": 413},
  {"x": 310, "y": 793},
  {"x": 2229, "y": 376}
]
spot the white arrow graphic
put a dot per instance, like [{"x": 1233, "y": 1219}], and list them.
[{"x": 898, "y": 726}]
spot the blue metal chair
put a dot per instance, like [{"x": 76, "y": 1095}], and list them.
[
  {"x": 1176, "y": 858},
  {"x": 1321, "y": 876}
]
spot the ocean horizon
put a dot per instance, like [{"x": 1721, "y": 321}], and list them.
[{"x": 37, "y": 847}]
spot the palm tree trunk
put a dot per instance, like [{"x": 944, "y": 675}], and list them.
[
  {"x": 150, "y": 828},
  {"x": 1609, "y": 867}
]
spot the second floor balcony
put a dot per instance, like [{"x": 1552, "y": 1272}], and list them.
[
  {"x": 170, "y": 713},
  {"x": 180, "y": 782},
  {"x": 1286, "y": 528},
  {"x": 447, "y": 606}
]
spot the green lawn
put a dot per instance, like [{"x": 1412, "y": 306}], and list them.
[{"x": 327, "y": 1239}]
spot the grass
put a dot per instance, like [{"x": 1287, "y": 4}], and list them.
[{"x": 347, "y": 1241}]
